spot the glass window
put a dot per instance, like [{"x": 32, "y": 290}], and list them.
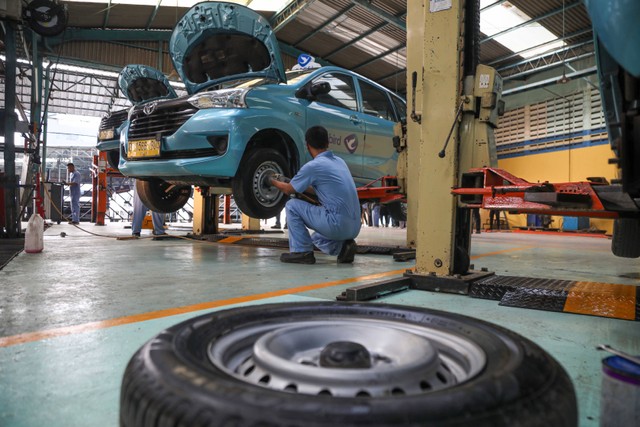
[
  {"x": 343, "y": 93},
  {"x": 376, "y": 102},
  {"x": 401, "y": 108}
]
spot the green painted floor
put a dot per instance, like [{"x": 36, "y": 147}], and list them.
[{"x": 72, "y": 316}]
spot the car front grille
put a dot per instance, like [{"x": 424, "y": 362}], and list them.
[
  {"x": 112, "y": 122},
  {"x": 163, "y": 121}
]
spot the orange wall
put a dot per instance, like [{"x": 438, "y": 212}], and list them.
[{"x": 562, "y": 166}]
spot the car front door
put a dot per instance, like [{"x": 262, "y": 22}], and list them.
[
  {"x": 337, "y": 111},
  {"x": 379, "y": 116}
]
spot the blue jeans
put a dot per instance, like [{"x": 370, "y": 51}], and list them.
[
  {"x": 139, "y": 211},
  {"x": 331, "y": 229},
  {"x": 75, "y": 207}
]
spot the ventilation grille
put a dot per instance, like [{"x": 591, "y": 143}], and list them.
[
  {"x": 163, "y": 121},
  {"x": 553, "y": 124}
]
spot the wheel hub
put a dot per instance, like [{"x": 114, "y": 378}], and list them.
[
  {"x": 345, "y": 354},
  {"x": 267, "y": 194},
  {"x": 347, "y": 357}
]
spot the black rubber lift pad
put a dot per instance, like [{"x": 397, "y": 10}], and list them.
[{"x": 568, "y": 296}]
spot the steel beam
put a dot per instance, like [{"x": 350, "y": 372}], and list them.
[
  {"x": 382, "y": 55},
  {"x": 288, "y": 13},
  {"x": 107, "y": 11},
  {"x": 153, "y": 15},
  {"x": 325, "y": 24},
  {"x": 550, "y": 81},
  {"x": 519, "y": 53},
  {"x": 534, "y": 20},
  {"x": 12, "y": 222},
  {"x": 389, "y": 18}
]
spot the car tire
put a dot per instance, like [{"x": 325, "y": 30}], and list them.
[
  {"x": 113, "y": 158},
  {"x": 263, "y": 366},
  {"x": 397, "y": 211},
  {"x": 252, "y": 191},
  {"x": 625, "y": 241},
  {"x": 160, "y": 196}
]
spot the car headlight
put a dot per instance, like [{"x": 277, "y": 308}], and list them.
[{"x": 224, "y": 98}]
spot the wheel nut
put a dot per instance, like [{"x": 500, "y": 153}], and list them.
[{"x": 345, "y": 354}]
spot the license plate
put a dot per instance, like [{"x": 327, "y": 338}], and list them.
[
  {"x": 106, "y": 134},
  {"x": 144, "y": 148}
]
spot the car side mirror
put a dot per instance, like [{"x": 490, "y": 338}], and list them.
[
  {"x": 321, "y": 88},
  {"x": 309, "y": 92}
]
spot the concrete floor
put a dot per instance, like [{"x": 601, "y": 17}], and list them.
[{"x": 72, "y": 316}]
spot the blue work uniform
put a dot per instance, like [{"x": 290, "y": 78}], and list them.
[
  {"x": 338, "y": 217},
  {"x": 139, "y": 211},
  {"x": 74, "y": 191}
]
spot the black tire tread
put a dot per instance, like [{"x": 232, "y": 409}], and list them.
[
  {"x": 149, "y": 192},
  {"x": 625, "y": 241},
  {"x": 241, "y": 187},
  {"x": 152, "y": 395}
]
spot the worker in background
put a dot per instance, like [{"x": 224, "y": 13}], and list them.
[
  {"x": 475, "y": 212},
  {"x": 494, "y": 215},
  {"x": 336, "y": 220},
  {"x": 139, "y": 212},
  {"x": 74, "y": 192}
]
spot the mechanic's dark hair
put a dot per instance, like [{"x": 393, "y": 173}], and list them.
[{"x": 317, "y": 137}]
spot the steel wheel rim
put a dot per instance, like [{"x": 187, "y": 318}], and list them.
[
  {"x": 265, "y": 193},
  {"x": 407, "y": 359}
]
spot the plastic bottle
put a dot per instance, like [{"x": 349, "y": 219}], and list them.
[{"x": 33, "y": 239}]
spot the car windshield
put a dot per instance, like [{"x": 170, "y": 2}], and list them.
[{"x": 292, "y": 77}]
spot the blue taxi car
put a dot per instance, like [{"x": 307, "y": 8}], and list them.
[
  {"x": 139, "y": 84},
  {"x": 244, "y": 118}
]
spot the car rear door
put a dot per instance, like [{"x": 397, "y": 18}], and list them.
[
  {"x": 338, "y": 112},
  {"x": 379, "y": 116}
]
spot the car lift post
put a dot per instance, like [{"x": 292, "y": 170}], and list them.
[
  {"x": 205, "y": 211},
  {"x": 100, "y": 195},
  {"x": 453, "y": 107}
]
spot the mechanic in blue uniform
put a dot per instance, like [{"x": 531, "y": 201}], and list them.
[
  {"x": 336, "y": 221},
  {"x": 139, "y": 212},
  {"x": 74, "y": 192}
]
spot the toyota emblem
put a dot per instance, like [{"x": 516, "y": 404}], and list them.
[{"x": 148, "y": 108}]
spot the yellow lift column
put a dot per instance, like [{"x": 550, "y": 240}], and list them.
[{"x": 453, "y": 106}]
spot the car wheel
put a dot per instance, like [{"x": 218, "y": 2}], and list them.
[
  {"x": 398, "y": 211},
  {"x": 160, "y": 196},
  {"x": 113, "y": 158},
  {"x": 343, "y": 364},
  {"x": 252, "y": 190},
  {"x": 625, "y": 241}
]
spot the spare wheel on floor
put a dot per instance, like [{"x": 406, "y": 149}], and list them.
[{"x": 343, "y": 364}]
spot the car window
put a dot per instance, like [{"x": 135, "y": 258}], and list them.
[
  {"x": 376, "y": 102},
  {"x": 343, "y": 93},
  {"x": 401, "y": 108}
]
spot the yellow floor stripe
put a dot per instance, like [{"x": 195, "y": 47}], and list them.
[
  {"x": 602, "y": 299},
  {"x": 76, "y": 329},
  {"x": 92, "y": 326}
]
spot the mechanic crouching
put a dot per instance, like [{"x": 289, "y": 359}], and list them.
[{"x": 336, "y": 219}]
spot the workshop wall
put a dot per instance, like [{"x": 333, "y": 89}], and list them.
[{"x": 563, "y": 166}]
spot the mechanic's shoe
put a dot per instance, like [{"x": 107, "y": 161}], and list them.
[
  {"x": 74, "y": 222},
  {"x": 286, "y": 226},
  {"x": 135, "y": 234},
  {"x": 275, "y": 227},
  {"x": 348, "y": 252},
  {"x": 298, "y": 257}
]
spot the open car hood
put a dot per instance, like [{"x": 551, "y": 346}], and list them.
[
  {"x": 215, "y": 42},
  {"x": 141, "y": 83}
]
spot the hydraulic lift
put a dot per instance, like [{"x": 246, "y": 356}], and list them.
[{"x": 447, "y": 166}]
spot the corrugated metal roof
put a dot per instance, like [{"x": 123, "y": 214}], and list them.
[{"x": 365, "y": 35}]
